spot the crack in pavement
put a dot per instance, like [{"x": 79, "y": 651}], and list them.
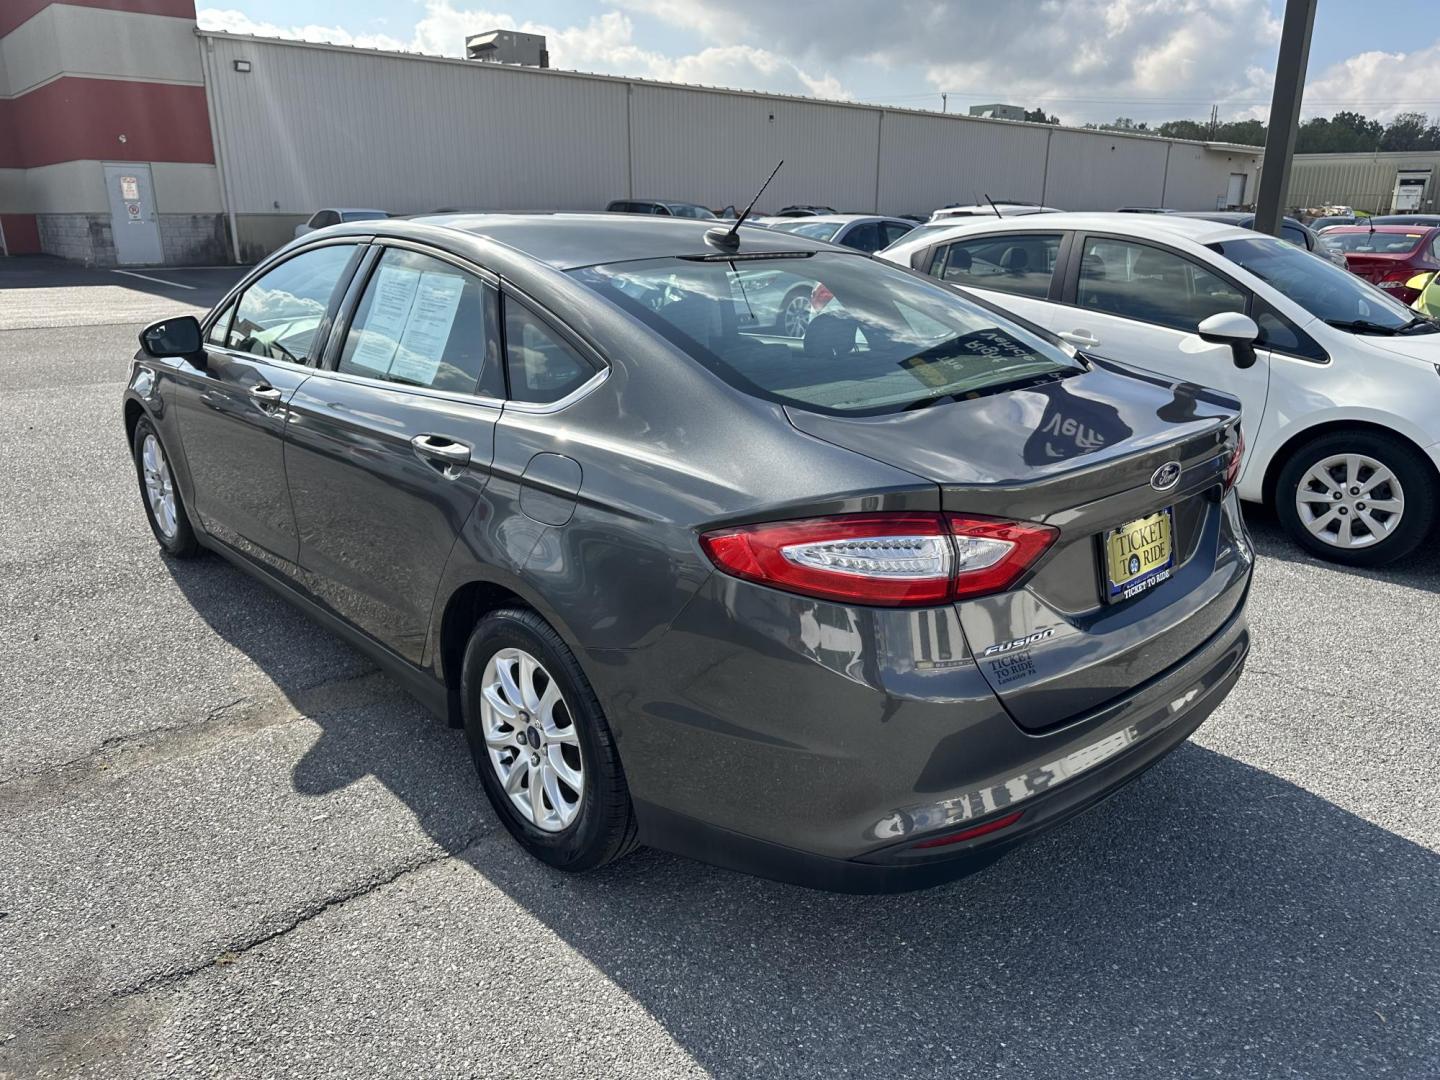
[
  {"x": 119, "y": 756},
  {"x": 74, "y": 1038},
  {"x": 311, "y": 911}
]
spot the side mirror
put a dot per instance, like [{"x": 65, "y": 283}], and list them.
[
  {"x": 1420, "y": 281},
  {"x": 179, "y": 336},
  {"x": 1233, "y": 329}
]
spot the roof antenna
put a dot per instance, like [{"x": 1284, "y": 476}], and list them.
[
  {"x": 728, "y": 239},
  {"x": 993, "y": 206}
]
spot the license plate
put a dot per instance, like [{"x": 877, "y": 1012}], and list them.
[{"x": 1140, "y": 554}]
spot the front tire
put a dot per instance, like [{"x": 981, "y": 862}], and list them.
[
  {"x": 540, "y": 742},
  {"x": 1360, "y": 498},
  {"x": 164, "y": 506}
]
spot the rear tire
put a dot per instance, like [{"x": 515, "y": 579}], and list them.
[
  {"x": 548, "y": 763},
  {"x": 164, "y": 506},
  {"x": 795, "y": 313},
  {"x": 1360, "y": 498}
]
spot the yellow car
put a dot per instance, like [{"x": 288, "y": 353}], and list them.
[{"x": 1428, "y": 302}]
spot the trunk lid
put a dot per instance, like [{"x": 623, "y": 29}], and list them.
[
  {"x": 1376, "y": 267},
  {"x": 1078, "y": 454}
]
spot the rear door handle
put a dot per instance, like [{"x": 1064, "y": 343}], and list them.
[
  {"x": 1082, "y": 338},
  {"x": 266, "y": 393},
  {"x": 441, "y": 448}
]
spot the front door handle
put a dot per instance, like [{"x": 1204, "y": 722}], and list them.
[
  {"x": 442, "y": 448},
  {"x": 1083, "y": 338},
  {"x": 266, "y": 393}
]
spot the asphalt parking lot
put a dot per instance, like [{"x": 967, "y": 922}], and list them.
[{"x": 233, "y": 848}]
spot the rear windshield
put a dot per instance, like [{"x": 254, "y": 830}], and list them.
[
  {"x": 830, "y": 332},
  {"x": 1365, "y": 242}
]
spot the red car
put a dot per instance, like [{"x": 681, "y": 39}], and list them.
[{"x": 1387, "y": 255}]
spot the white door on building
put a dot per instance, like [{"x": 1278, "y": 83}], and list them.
[
  {"x": 1235, "y": 191},
  {"x": 1409, "y": 190},
  {"x": 132, "y": 214}
]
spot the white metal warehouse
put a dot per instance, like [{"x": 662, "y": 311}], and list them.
[
  {"x": 129, "y": 136},
  {"x": 1378, "y": 183},
  {"x": 314, "y": 125}
]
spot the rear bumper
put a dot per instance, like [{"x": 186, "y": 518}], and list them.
[{"x": 1120, "y": 742}]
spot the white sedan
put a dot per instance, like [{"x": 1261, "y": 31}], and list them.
[
  {"x": 1339, "y": 383},
  {"x": 334, "y": 215},
  {"x": 863, "y": 232}
]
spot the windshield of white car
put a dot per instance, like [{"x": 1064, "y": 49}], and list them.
[
  {"x": 1321, "y": 288},
  {"x": 363, "y": 215},
  {"x": 815, "y": 230},
  {"x": 832, "y": 333}
]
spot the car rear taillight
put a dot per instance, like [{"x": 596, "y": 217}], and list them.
[
  {"x": 1237, "y": 458},
  {"x": 1395, "y": 281},
  {"x": 889, "y": 560},
  {"x": 991, "y": 555}
]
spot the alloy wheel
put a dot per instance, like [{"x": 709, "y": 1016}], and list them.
[
  {"x": 159, "y": 486},
  {"x": 1350, "y": 501},
  {"x": 531, "y": 740},
  {"x": 796, "y": 316}
]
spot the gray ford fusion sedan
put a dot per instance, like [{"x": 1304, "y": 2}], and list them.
[{"x": 858, "y": 606}]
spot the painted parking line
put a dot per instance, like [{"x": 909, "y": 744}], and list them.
[{"x": 158, "y": 281}]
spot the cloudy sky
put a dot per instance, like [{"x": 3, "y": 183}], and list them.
[{"x": 1084, "y": 60}]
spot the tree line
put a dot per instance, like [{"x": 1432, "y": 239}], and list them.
[{"x": 1344, "y": 133}]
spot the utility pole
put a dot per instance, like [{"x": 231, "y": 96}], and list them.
[{"x": 1284, "y": 113}]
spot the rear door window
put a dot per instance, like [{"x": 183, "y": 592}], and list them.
[
  {"x": 865, "y": 237},
  {"x": 1150, "y": 284},
  {"x": 1020, "y": 263},
  {"x": 423, "y": 322}
]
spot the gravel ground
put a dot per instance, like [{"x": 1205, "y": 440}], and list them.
[{"x": 232, "y": 848}]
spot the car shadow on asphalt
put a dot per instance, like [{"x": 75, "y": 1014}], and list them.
[
  {"x": 1420, "y": 570},
  {"x": 187, "y": 285},
  {"x": 1211, "y": 919}
]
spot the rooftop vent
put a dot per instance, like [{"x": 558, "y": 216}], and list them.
[{"x": 508, "y": 47}]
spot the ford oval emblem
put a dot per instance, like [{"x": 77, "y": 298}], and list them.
[{"x": 1166, "y": 476}]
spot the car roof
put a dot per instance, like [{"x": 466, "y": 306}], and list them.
[
  {"x": 658, "y": 202},
  {"x": 986, "y": 208},
  {"x": 1231, "y": 216},
  {"x": 1142, "y": 226},
  {"x": 840, "y": 219},
  {"x": 1358, "y": 228},
  {"x": 571, "y": 240}
]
